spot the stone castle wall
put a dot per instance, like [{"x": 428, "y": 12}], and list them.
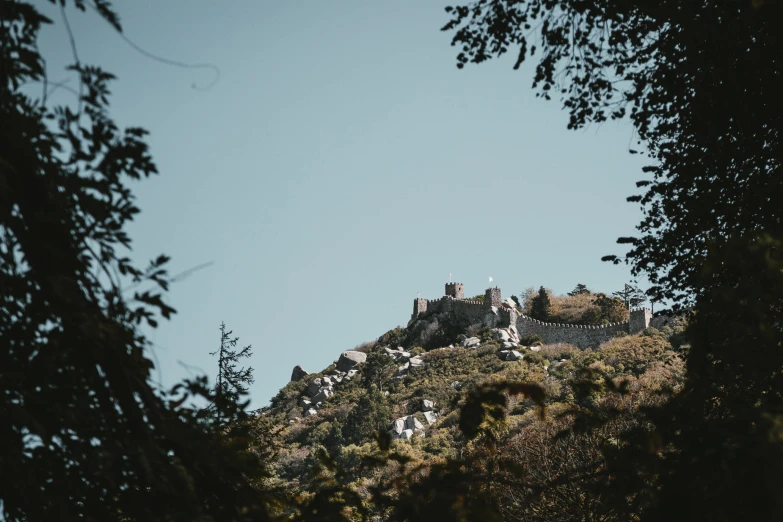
[
  {"x": 490, "y": 312},
  {"x": 581, "y": 336}
]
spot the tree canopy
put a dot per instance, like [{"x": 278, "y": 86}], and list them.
[
  {"x": 699, "y": 82},
  {"x": 85, "y": 433}
]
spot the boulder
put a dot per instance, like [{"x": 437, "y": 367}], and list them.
[
  {"x": 398, "y": 426},
  {"x": 406, "y": 434},
  {"x": 427, "y": 405},
  {"x": 412, "y": 423},
  {"x": 298, "y": 374},
  {"x": 501, "y": 335},
  {"x": 471, "y": 342},
  {"x": 322, "y": 395},
  {"x": 326, "y": 381},
  {"x": 513, "y": 355},
  {"x": 304, "y": 403},
  {"x": 310, "y": 412},
  {"x": 415, "y": 362},
  {"x": 351, "y": 373},
  {"x": 402, "y": 370},
  {"x": 535, "y": 348},
  {"x": 314, "y": 386},
  {"x": 431, "y": 417},
  {"x": 492, "y": 319},
  {"x": 456, "y": 385},
  {"x": 509, "y": 303},
  {"x": 509, "y": 345},
  {"x": 348, "y": 360}
]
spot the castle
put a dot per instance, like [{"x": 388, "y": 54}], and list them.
[{"x": 495, "y": 313}]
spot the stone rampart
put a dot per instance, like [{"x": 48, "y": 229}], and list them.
[
  {"x": 489, "y": 312},
  {"x": 581, "y": 336}
]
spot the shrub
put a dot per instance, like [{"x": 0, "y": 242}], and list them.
[
  {"x": 372, "y": 413},
  {"x": 531, "y": 340},
  {"x": 394, "y": 338}
]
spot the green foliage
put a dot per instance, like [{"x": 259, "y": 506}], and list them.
[
  {"x": 531, "y": 340},
  {"x": 394, "y": 338},
  {"x": 612, "y": 310},
  {"x": 578, "y": 290},
  {"x": 85, "y": 434},
  {"x": 540, "y": 305},
  {"x": 377, "y": 369},
  {"x": 373, "y": 413}
]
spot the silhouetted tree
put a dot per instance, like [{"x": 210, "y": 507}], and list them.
[
  {"x": 630, "y": 295},
  {"x": 579, "y": 289},
  {"x": 85, "y": 434},
  {"x": 696, "y": 79},
  {"x": 232, "y": 382}
]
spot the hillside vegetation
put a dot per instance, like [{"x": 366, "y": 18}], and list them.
[{"x": 527, "y": 443}]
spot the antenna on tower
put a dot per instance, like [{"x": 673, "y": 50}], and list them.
[{"x": 449, "y": 277}]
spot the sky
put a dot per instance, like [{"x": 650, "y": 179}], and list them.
[{"x": 339, "y": 165}]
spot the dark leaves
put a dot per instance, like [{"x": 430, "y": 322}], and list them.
[{"x": 484, "y": 408}]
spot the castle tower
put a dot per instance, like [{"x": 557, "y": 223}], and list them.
[
  {"x": 492, "y": 297},
  {"x": 419, "y": 307},
  {"x": 639, "y": 320},
  {"x": 455, "y": 290}
]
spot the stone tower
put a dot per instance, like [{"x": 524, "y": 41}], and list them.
[
  {"x": 455, "y": 290},
  {"x": 639, "y": 320},
  {"x": 492, "y": 297}
]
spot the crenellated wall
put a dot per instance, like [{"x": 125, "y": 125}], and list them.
[
  {"x": 581, "y": 336},
  {"x": 491, "y": 312}
]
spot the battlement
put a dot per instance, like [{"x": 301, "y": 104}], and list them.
[
  {"x": 639, "y": 319},
  {"x": 491, "y": 312},
  {"x": 455, "y": 290}
]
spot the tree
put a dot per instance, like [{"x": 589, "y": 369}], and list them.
[
  {"x": 85, "y": 433},
  {"x": 579, "y": 289},
  {"x": 696, "y": 81},
  {"x": 377, "y": 369},
  {"x": 612, "y": 309},
  {"x": 630, "y": 295},
  {"x": 232, "y": 383},
  {"x": 540, "y": 305},
  {"x": 372, "y": 414}
]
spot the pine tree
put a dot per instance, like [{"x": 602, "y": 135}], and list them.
[
  {"x": 631, "y": 295},
  {"x": 580, "y": 289},
  {"x": 232, "y": 383},
  {"x": 540, "y": 305}
]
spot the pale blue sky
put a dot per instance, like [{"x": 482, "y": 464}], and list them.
[{"x": 342, "y": 164}]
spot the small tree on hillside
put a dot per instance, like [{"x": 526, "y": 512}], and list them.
[
  {"x": 377, "y": 369},
  {"x": 232, "y": 383},
  {"x": 612, "y": 309},
  {"x": 540, "y": 305},
  {"x": 579, "y": 289},
  {"x": 631, "y": 295}
]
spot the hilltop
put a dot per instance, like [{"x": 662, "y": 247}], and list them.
[{"x": 412, "y": 382}]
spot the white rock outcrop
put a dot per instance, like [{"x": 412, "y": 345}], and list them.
[
  {"x": 350, "y": 359},
  {"x": 431, "y": 417}
]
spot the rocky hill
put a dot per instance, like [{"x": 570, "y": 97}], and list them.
[{"x": 411, "y": 384}]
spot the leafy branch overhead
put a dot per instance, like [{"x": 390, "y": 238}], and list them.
[{"x": 699, "y": 83}]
